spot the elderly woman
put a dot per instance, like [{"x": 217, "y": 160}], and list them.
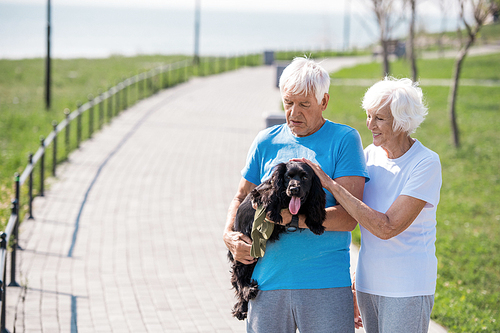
[{"x": 397, "y": 266}]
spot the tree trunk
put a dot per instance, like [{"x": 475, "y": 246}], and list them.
[
  {"x": 480, "y": 12},
  {"x": 411, "y": 42},
  {"x": 452, "y": 98},
  {"x": 385, "y": 57}
]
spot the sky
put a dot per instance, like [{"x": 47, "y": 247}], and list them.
[{"x": 317, "y": 6}]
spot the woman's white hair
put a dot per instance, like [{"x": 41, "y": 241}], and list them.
[
  {"x": 404, "y": 98},
  {"x": 305, "y": 76}
]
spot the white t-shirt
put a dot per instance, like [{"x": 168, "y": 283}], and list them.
[{"x": 405, "y": 265}]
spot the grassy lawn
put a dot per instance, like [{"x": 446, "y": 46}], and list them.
[
  {"x": 23, "y": 117},
  {"x": 468, "y": 286}
]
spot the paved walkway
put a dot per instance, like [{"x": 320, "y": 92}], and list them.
[{"x": 129, "y": 237}]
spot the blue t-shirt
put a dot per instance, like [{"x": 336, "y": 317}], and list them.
[{"x": 303, "y": 260}]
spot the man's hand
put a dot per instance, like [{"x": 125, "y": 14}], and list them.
[
  {"x": 236, "y": 242},
  {"x": 240, "y": 246}
]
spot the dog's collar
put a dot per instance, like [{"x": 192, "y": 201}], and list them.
[{"x": 294, "y": 224}]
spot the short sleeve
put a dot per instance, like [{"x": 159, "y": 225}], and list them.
[
  {"x": 350, "y": 159},
  {"x": 251, "y": 170},
  {"x": 425, "y": 181}
]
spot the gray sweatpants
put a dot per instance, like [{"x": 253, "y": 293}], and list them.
[
  {"x": 308, "y": 310},
  {"x": 382, "y": 314}
]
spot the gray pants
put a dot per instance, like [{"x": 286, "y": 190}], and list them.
[
  {"x": 308, "y": 310},
  {"x": 382, "y": 314}
]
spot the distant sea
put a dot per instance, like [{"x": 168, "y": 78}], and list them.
[{"x": 100, "y": 32}]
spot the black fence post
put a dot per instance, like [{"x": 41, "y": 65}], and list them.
[
  {"x": 42, "y": 165},
  {"x": 201, "y": 68},
  {"x": 157, "y": 80},
  {"x": 150, "y": 84},
  {"x": 79, "y": 124},
  {"x": 3, "y": 286},
  {"x": 91, "y": 115},
  {"x": 168, "y": 78},
  {"x": 110, "y": 105},
  {"x": 125, "y": 94},
  {"x": 139, "y": 86},
  {"x": 15, "y": 233},
  {"x": 54, "y": 149},
  {"x": 153, "y": 81},
  {"x": 30, "y": 188},
  {"x": 101, "y": 108},
  {"x": 117, "y": 99},
  {"x": 67, "y": 132}
]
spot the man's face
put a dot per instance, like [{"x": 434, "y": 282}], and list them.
[{"x": 303, "y": 114}]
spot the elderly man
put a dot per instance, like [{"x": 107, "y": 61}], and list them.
[{"x": 303, "y": 278}]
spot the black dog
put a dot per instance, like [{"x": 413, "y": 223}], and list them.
[{"x": 293, "y": 185}]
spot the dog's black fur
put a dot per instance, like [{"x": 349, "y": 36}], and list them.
[{"x": 288, "y": 179}]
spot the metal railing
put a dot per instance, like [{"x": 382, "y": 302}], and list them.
[{"x": 115, "y": 100}]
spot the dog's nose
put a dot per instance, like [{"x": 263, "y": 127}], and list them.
[{"x": 294, "y": 190}]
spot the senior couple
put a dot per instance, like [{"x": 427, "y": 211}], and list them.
[{"x": 391, "y": 189}]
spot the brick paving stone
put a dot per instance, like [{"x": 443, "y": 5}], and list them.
[{"x": 151, "y": 191}]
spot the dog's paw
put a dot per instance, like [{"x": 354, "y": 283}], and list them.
[
  {"x": 240, "y": 310},
  {"x": 317, "y": 229}
]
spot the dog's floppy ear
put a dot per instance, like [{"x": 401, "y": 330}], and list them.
[
  {"x": 316, "y": 200},
  {"x": 278, "y": 177},
  {"x": 277, "y": 193}
]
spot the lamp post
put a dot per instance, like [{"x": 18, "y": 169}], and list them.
[
  {"x": 47, "y": 61},
  {"x": 347, "y": 23},
  {"x": 196, "y": 58}
]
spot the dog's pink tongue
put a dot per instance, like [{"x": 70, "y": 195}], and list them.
[{"x": 294, "y": 205}]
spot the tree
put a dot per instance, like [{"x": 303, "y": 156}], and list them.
[
  {"x": 387, "y": 19},
  {"x": 479, "y": 11},
  {"x": 443, "y": 8},
  {"x": 410, "y": 48}
]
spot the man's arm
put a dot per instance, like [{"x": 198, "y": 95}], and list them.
[
  {"x": 236, "y": 242},
  {"x": 337, "y": 218}
]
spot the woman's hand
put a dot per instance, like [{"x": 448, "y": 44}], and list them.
[
  {"x": 326, "y": 181},
  {"x": 358, "y": 323}
]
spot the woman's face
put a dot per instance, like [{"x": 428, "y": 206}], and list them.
[{"x": 379, "y": 122}]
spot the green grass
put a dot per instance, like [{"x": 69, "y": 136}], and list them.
[
  {"x": 468, "y": 287},
  {"x": 489, "y": 34},
  {"x": 24, "y": 119},
  {"x": 318, "y": 54},
  {"x": 428, "y": 69}
]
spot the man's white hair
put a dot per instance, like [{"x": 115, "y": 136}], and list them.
[
  {"x": 305, "y": 76},
  {"x": 404, "y": 98}
]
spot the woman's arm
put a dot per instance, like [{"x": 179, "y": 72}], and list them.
[{"x": 403, "y": 211}]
